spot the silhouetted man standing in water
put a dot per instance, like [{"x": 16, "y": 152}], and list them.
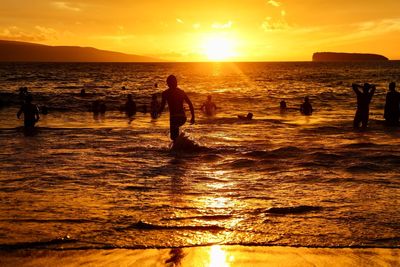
[
  {"x": 363, "y": 101},
  {"x": 31, "y": 114},
  {"x": 175, "y": 97},
  {"x": 392, "y": 109}
]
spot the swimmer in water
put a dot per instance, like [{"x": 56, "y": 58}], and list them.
[
  {"x": 248, "y": 117},
  {"x": 175, "y": 98},
  {"x": 209, "y": 107},
  {"x": 130, "y": 106},
  {"x": 306, "y": 108}
]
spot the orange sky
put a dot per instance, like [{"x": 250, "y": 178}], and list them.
[{"x": 195, "y": 30}]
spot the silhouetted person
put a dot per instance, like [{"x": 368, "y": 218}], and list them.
[
  {"x": 154, "y": 106},
  {"x": 130, "y": 106},
  {"x": 249, "y": 116},
  {"x": 363, "y": 100},
  {"x": 96, "y": 107},
  {"x": 392, "y": 109},
  {"x": 23, "y": 92},
  {"x": 282, "y": 105},
  {"x": 102, "y": 108},
  {"x": 175, "y": 98},
  {"x": 209, "y": 107},
  {"x": 144, "y": 109},
  {"x": 31, "y": 113},
  {"x": 83, "y": 93},
  {"x": 306, "y": 108}
]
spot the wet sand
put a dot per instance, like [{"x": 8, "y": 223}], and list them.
[{"x": 218, "y": 256}]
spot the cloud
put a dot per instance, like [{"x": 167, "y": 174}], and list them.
[
  {"x": 65, "y": 6},
  {"x": 196, "y": 26},
  {"x": 274, "y": 3},
  {"x": 270, "y": 25},
  {"x": 227, "y": 25},
  {"x": 37, "y": 34}
]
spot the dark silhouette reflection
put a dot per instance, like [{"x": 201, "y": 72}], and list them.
[
  {"x": 99, "y": 109},
  {"x": 130, "y": 106},
  {"x": 305, "y": 107},
  {"x": 248, "y": 117},
  {"x": 154, "y": 107},
  {"x": 282, "y": 106},
  {"x": 176, "y": 256},
  {"x": 209, "y": 107},
  {"x": 175, "y": 98},
  {"x": 363, "y": 100},
  {"x": 31, "y": 115},
  {"x": 392, "y": 109}
]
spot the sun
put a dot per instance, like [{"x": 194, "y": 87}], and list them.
[{"x": 219, "y": 48}]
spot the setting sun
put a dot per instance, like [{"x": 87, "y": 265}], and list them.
[{"x": 219, "y": 48}]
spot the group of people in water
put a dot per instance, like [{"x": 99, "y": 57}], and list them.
[{"x": 176, "y": 97}]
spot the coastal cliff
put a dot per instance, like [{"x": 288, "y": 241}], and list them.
[
  {"x": 13, "y": 51},
  {"x": 332, "y": 56}
]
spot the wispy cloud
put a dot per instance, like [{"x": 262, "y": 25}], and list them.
[
  {"x": 270, "y": 24},
  {"x": 37, "y": 34},
  {"x": 196, "y": 26},
  {"x": 274, "y": 3},
  {"x": 227, "y": 25},
  {"x": 66, "y": 6}
]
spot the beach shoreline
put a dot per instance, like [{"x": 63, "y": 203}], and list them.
[{"x": 216, "y": 255}]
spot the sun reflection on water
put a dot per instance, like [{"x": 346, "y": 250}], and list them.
[{"x": 218, "y": 257}]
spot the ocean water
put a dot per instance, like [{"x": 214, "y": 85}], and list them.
[{"x": 279, "y": 179}]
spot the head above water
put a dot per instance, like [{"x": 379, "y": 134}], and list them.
[
  {"x": 249, "y": 115},
  {"x": 209, "y": 97},
  {"x": 392, "y": 86},
  {"x": 172, "y": 82},
  {"x": 129, "y": 96},
  {"x": 306, "y": 99}
]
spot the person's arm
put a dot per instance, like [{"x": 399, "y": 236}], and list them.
[
  {"x": 190, "y": 107},
  {"x": 37, "y": 115},
  {"x": 355, "y": 88},
  {"x": 19, "y": 113},
  {"x": 372, "y": 90},
  {"x": 162, "y": 105}
]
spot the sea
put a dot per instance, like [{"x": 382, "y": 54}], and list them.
[{"x": 281, "y": 179}]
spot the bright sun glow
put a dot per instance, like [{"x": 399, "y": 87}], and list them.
[{"x": 219, "y": 48}]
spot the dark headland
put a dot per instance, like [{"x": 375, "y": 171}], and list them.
[
  {"x": 13, "y": 51},
  {"x": 333, "y": 56}
]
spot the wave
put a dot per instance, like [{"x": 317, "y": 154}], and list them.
[
  {"x": 293, "y": 210},
  {"x": 140, "y": 225},
  {"x": 203, "y": 218},
  {"x": 39, "y": 244}
]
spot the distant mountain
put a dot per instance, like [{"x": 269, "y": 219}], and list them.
[
  {"x": 333, "y": 56},
  {"x": 13, "y": 51}
]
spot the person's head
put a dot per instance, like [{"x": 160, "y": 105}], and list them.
[
  {"x": 172, "y": 82},
  {"x": 306, "y": 99},
  {"x": 392, "y": 86},
  {"x": 28, "y": 99},
  {"x": 154, "y": 97},
  {"x": 83, "y": 91},
  {"x": 209, "y": 97},
  {"x": 249, "y": 115},
  {"x": 283, "y": 104},
  {"x": 130, "y": 97},
  {"x": 366, "y": 87}
]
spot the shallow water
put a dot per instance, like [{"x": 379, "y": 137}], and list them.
[{"x": 280, "y": 179}]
